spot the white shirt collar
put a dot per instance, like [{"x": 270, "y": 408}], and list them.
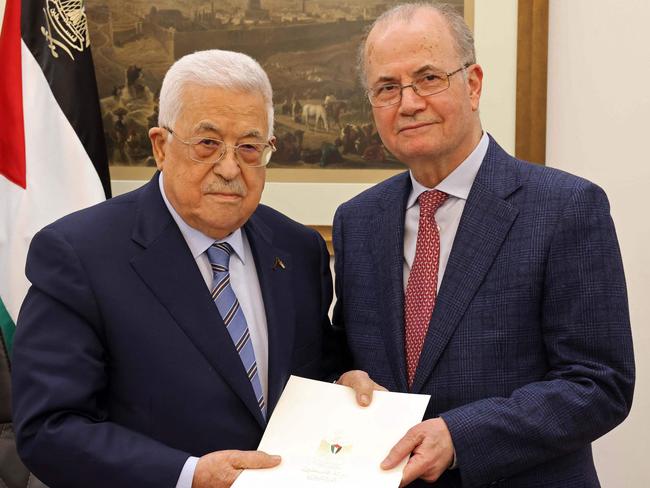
[
  {"x": 196, "y": 240},
  {"x": 459, "y": 182}
]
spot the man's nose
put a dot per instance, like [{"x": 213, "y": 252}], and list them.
[
  {"x": 411, "y": 102},
  {"x": 228, "y": 166}
]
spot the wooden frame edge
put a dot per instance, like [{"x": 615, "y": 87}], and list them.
[{"x": 532, "y": 68}]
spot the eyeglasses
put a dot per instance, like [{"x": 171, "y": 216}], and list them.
[
  {"x": 429, "y": 84},
  {"x": 206, "y": 150}
]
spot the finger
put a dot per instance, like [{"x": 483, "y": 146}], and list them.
[
  {"x": 362, "y": 385},
  {"x": 255, "y": 460},
  {"x": 359, "y": 377},
  {"x": 400, "y": 450}
]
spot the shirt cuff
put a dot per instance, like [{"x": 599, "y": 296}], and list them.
[
  {"x": 187, "y": 473},
  {"x": 454, "y": 464}
]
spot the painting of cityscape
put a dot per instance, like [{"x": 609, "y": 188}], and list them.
[{"x": 307, "y": 47}]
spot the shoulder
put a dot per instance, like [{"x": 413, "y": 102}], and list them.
[
  {"x": 96, "y": 224},
  {"x": 369, "y": 201},
  {"x": 553, "y": 179},
  {"x": 555, "y": 189},
  {"x": 501, "y": 172},
  {"x": 284, "y": 229}
]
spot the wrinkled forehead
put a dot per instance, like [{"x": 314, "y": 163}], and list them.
[
  {"x": 424, "y": 39},
  {"x": 214, "y": 109}
]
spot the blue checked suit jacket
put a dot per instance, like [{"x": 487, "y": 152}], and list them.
[
  {"x": 122, "y": 366},
  {"x": 528, "y": 357}
]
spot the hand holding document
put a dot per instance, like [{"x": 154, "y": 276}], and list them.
[{"x": 326, "y": 439}]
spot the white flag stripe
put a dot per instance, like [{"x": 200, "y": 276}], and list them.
[{"x": 60, "y": 179}]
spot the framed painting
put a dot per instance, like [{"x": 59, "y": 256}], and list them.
[
  {"x": 328, "y": 148},
  {"x": 323, "y": 124}
]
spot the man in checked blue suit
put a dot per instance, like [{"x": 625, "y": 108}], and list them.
[
  {"x": 494, "y": 285},
  {"x": 162, "y": 325}
]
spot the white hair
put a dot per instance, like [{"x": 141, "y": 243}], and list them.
[
  {"x": 213, "y": 68},
  {"x": 460, "y": 31}
]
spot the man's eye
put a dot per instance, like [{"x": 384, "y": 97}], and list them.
[
  {"x": 248, "y": 148},
  {"x": 384, "y": 89},
  {"x": 430, "y": 78},
  {"x": 210, "y": 143}
]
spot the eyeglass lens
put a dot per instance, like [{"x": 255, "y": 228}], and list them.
[
  {"x": 425, "y": 86},
  {"x": 205, "y": 150}
]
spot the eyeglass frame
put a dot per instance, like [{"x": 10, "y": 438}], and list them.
[
  {"x": 227, "y": 146},
  {"x": 414, "y": 87}
]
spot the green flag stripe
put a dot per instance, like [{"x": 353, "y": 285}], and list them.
[{"x": 7, "y": 326}]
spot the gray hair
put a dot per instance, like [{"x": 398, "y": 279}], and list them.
[
  {"x": 460, "y": 31},
  {"x": 213, "y": 68}
]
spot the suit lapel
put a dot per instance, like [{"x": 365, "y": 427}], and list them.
[
  {"x": 275, "y": 282},
  {"x": 483, "y": 227},
  {"x": 167, "y": 267},
  {"x": 387, "y": 246}
]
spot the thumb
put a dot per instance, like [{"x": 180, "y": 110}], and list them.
[
  {"x": 399, "y": 451},
  {"x": 257, "y": 460},
  {"x": 362, "y": 385}
]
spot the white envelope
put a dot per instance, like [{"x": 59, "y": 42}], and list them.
[{"x": 326, "y": 439}]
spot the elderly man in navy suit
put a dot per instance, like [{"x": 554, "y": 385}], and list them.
[
  {"x": 162, "y": 325},
  {"x": 494, "y": 285}
]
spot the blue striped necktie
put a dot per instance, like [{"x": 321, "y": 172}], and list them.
[{"x": 233, "y": 315}]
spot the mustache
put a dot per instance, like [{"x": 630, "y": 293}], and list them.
[{"x": 221, "y": 185}]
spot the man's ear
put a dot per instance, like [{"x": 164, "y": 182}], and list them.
[
  {"x": 475, "y": 84},
  {"x": 158, "y": 137}
]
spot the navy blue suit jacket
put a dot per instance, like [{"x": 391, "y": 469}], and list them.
[
  {"x": 122, "y": 366},
  {"x": 528, "y": 356}
]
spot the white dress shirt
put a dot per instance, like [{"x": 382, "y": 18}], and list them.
[
  {"x": 245, "y": 284},
  {"x": 457, "y": 185}
]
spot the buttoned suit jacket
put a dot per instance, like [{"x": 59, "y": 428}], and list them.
[
  {"x": 122, "y": 365},
  {"x": 528, "y": 355}
]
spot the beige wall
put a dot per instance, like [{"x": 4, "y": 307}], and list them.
[
  {"x": 598, "y": 113},
  {"x": 495, "y": 31}
]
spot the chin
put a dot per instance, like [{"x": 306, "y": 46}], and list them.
[
  {"x": 417, "y": 153},
  {"x": 219, "y": 231},
  {"x": 217, "y": 222}
]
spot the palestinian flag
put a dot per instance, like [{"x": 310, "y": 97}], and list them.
[{"x": 52, "y": 149}]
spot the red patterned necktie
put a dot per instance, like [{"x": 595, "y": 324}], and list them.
[{"x": 421, "y": 289}]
